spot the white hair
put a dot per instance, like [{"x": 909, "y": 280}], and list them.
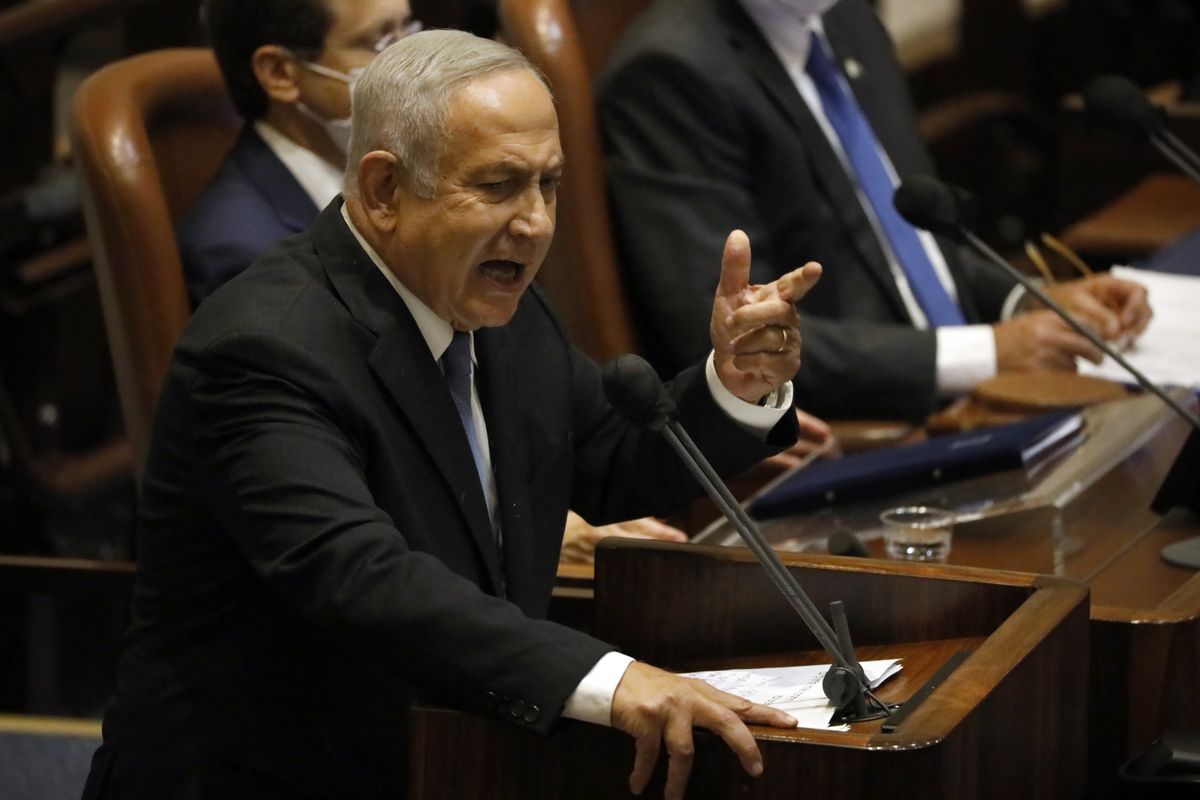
[{"x": 401, "y": 103}]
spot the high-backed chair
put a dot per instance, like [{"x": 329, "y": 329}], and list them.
[
  {"x": 569, "y": 43},
  {"x": 149, "y": 132},
  {"x": 570, "y": 40}
]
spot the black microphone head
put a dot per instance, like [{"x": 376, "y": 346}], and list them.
[
  {"x": 934, "y": 206},
  {"x": 633, "y": 388},
  {"x": 845, "y": 543},
  {"x": 1119, "y": 103}
]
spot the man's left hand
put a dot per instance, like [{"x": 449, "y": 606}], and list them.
[
  {"x": 580, "y": 538},
  {"x": 755, "y": 329}
]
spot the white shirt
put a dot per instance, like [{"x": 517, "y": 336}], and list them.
[
  {"x": 966, "y": 354},
  {"x": 319, "y": 179},
  {"x": 592, "y": 699}
]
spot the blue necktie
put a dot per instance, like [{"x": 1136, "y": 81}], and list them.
[
  {"x": 456, "y": 365},
  {"x": 863, "y": 152}
]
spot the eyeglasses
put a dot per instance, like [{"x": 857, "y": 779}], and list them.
[
  {"x": 1071, "y": 257},
  {"x": 385, "y": 41},
  {"x": 1055, "y": 246},
  {"x": 391, "y": 37}
]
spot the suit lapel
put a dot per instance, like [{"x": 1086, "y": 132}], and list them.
[
  {"x": 287, "y": 198},
  {"x": 824, "y": 163},
  {"x": 402, "y": 363},
  {"x": 509, "y": 456}
]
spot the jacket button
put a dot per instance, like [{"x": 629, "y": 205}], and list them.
[
  {"x": 491, "y": 700},
  {"x": 517, "y": 709},
  {"x": 532, "y": 713}
]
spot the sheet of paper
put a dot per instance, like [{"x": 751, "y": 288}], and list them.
[
  {"x": 1169, "y": 349},
  {"x": 796, "y": 690}
]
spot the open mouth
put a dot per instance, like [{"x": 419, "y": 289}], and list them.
[{"x": 503, "y": 272}]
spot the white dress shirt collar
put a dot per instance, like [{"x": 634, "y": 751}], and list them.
[
  {"x": 320, "y": 180},
  {"x": 436, "y": 331},
  {"x": 788, "y": 32}
]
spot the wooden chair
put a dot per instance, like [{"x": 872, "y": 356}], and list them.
[
  {"x": 569, "y": 43},
  {"x": 149, "y": 132}
]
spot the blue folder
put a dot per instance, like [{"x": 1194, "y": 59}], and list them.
[{"x": 936, "y": 460}]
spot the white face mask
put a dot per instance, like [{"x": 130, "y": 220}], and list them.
[{"x": 338, "y": 130}]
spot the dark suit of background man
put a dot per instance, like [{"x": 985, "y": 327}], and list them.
[
  {"x": 364, "y": 452},
  {"x": 289, "y": 65},
  {"x": 712, "y": 119}
]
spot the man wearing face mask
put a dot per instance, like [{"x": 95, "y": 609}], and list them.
[
  {"x": 791, "y": 119},
  {"x": 289, "y": 66}
]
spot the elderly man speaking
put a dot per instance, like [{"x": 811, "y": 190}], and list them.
[{"x": 366, "y": 446}]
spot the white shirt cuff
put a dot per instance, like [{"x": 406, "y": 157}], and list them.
[
  {"x": 592, "y": 699},
  {"x": 966, "y": 355},
  {"x": 754, "y": 418}
]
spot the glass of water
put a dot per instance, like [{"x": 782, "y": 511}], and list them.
[{"x": 918, "y": 533}]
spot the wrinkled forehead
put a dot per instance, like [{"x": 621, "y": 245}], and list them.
[
  {"x": 509, "y": 117},
  {"x": 503, "y": 85}
]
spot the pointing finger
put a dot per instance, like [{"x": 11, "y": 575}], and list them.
[
  {"x": 796, "y": 283},
  {"x": 735, "y": 264}
]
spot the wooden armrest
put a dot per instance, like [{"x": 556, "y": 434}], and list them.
[
  {"x": 66, "y": 576},
  {"x": 1158, "y": 210}
]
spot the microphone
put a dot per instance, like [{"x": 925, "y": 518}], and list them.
[
  {"x": 845, "y": 543},
  {"x": 1118, "y": 103},
  {"x": 634, "y": 390},
  {"x": 930, "y": 204},
  {"x": 632, "y": 387}
]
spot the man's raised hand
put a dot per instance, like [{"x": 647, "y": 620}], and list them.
[{"x": 755, "y": 329}]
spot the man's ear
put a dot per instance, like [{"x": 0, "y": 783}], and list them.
[
  {"x": 379, "y": 188},
  {"x": 275, "y": 70}
]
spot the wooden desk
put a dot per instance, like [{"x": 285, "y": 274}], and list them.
[
  {"x": 983, "y": 733},
  {"x": 1145, "y": 631}
]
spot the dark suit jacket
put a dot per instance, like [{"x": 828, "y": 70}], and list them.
[
  {"x": 252, "y": 203},
  {"x": 705, "y": 133},
  {"x": 314, "y": 547}
]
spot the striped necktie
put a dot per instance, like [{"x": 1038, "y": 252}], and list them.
[{"x": 457, "y": 367}]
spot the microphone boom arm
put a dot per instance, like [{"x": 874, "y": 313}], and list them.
[{"x": 784, "y": 581}]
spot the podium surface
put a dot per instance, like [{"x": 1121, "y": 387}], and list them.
[
  {"x": 986, "y": 730},
  {"x": 1086, "y": 518}
]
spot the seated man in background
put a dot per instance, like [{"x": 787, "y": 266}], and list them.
[
  {"x": 365, "y": 448},
  {"x": 290, "y": 66},
  {"x": 791, "y": 119}
]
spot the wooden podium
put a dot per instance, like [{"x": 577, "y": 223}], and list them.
[{"x": 1009, "y": 721}]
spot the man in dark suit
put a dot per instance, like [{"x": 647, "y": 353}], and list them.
[
  {"x": 282, "y": 168},
  {"x": 289, "y": 65},
  {"x": 717, "y": 114},
  {"x": 364, "y": 451}
]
